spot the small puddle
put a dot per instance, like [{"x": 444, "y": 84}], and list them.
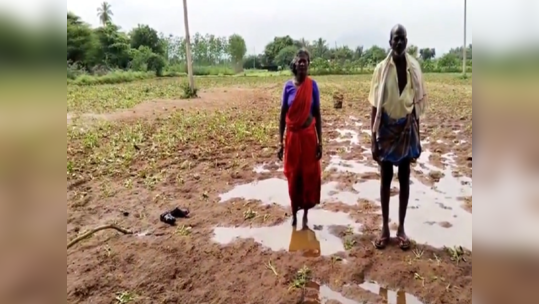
[
  {"x": 389, "y": 296},
  {"x": 275, "y": 191},
  {"x": 312, "y": 242},
  {"x": 321, "y": 294},
  {"x": 326, "y": 294},
  {"x": 347, "y": 136},
  {"x": 261, "y": 169},
  {"x": 351, "y": 166},
  {"x": 267, "y": 191}
]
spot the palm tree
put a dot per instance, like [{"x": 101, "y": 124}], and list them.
[{"x": 104, "y": 13}]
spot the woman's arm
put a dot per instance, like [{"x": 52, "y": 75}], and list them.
[
  {"x": 316, "y": 112},
  {"x": 282, "y": 119}
]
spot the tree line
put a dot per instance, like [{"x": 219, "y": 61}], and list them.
[{"x": 107, "y": 47}]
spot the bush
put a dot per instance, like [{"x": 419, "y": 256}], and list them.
[
  {"x": 188, "y": 92},
  {"x": 111, "y": 78},
  {"x": 156, "y": 63},
  {"x": 74, "y": 70}
]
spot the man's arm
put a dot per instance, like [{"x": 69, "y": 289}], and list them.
[{"x": 375, "y": 83}]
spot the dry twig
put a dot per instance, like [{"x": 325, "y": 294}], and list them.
[{"x": 91, "y": 232}]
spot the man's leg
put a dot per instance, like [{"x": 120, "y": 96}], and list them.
[
  {"x": 404, "y": 196},
  {"x": 386, "y": 176}
]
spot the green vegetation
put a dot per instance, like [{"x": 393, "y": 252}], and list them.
[{"x": 108, "y": 55}]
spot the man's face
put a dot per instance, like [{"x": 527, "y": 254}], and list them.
[{"x": 398, "y": 42}]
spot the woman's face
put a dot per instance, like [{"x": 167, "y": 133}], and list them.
[{"x": 302, "y": 64}]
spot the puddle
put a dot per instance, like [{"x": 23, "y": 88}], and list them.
[
  {"x": 321, "y": 294},
  {"x": 327, "y": 294},
  {"x": 331, "y": 194},
  {"x": 390, "y": 297},
  {"x": 268, "y": 191},
  {"x": 440, "y": 205},
  {"x": 312, "y": 242},
  {"x": 435, "y": 214},
  {"x": 351, "y": 166},
  {"x": 261, "y": 169},
  {"x": 350, "y": 136},
  {"x": 275, "y": 191}
]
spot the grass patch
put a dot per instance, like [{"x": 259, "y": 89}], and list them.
[{"x": 116, "y": 149}]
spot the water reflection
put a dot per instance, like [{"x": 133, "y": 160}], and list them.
[
  {"x": 285, "y": 237},
  {"x": 305, "y": 241},
  {"x": 390, "y": 296}
]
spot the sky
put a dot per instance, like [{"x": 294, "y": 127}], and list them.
[{"x": 430, "y": 23}]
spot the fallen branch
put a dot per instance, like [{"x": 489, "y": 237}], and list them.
[{"x": 91, "y": 232}]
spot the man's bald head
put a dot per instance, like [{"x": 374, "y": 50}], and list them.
[
  {"x": 398, "y": 29},
  {"x": 398, "y": 40}
]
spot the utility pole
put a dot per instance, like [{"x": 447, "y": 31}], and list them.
[
  {"x": 188, "y": 47},
  {"x": 254, "y": 57},
  {"x": 464, "y": 46}
]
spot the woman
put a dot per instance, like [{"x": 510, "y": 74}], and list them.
[{"x": 300, "y": 116}]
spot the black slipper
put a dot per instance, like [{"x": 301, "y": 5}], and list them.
[
  {"x": 404, "y": 243},
  {"x": 381, "y": 243},
  {"x": 167, "y": 218},
  {"x": 179, "y": 213}
]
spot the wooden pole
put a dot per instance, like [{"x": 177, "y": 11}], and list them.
[{"x": 188, "y": 54}]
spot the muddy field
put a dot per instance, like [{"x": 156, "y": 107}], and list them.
[{"x": 136, "y": 150}]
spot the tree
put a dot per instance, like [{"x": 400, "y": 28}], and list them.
[
  {"x": 104, "y": 13},
  {"x": 285, "y": 56},
  {"x": 449, "y": 60},
  {"x": 143, "y": 35},
  {"x": 253, "y": 62},
  {"x": 237, "y": 49},
  {"x": 319, "y": 48},
  {"x": 427, "y": 54},
  {"x": 273, "y": 48},
  {"x": 302, "y": 43},
  {"x": 413, "y": 51},
  {"x": 114, "y": 46},
  {"x": 374, "y": 55},
  {"x": 81, "y": 42}
]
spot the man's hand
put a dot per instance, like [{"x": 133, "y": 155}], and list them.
[{"x": 374, "y": 148}]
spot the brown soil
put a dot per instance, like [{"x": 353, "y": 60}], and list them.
[
  {"x": 169, "y": 265},
  {"x": 207, "y": 100}
]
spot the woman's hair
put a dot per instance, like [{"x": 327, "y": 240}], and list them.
[{"x": 301, "y": 52}]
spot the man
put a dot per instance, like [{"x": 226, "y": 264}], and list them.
[{"x": 398, "y": 99}]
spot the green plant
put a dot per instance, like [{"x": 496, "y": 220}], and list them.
[{"x": 189, "y": 92}]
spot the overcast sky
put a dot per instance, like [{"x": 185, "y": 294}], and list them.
[{"x": 430, "y": 23}]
